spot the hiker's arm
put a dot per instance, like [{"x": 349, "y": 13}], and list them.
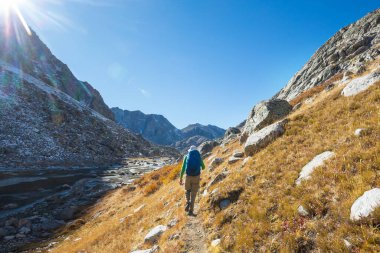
[
  {"x": 183, "y": 167},
  {"x": 202, "y": 164}
]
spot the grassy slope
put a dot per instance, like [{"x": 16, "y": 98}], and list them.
[{"x": 264, "y": 216}]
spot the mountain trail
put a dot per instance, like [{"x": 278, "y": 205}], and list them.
[{"x": 194, "y": 234}]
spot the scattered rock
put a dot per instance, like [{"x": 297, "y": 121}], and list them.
[
  {"x": 10, "y": 206},
  {"x": 216, "y": 162},
  {"x": 155, "y": 233},
  {"x": 19, "y": 236},
  {"x": 9, "y": 237},
  {"x": 138, "y": 209},
  {"x": 172, "y": 223},
  {"x": 233, "y": 159},
  {"x": 302, "y": 211},
  {"x": 231, "y": 131},
  {"x": 215, "y": 242},
  {"x": 264, "y": 114},
  {"x": 297, "y": 106},
  {"x": 263, "y": 138},
  {"x": 312, "y": 165},
  {"x": 151, "y": 250},
  {"x": 67, "y": 213},
  {"x": 250, "y": 179},
  {"x": 11, "y": 222},
  {"x": 364, "y": 206},
  {"x": 238, "y": 154},
  {"x": 24, "y": 230},
  {"x": 361, "y": 84},
  {"x": 218, "y": 178},
  {"x": 347, "y": 244},
  {"x": 24, "y": 223},
  {"x": 359, "y": 132},
  {"x": 174, "y": 237}
]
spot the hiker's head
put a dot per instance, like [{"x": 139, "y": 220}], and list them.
[{"x": 192, "y": 148}]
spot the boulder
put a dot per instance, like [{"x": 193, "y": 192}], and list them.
[
  {"x": 234, "y": 159},
  {"x": 263, "y": 138},
  {"x": 312, "y": 165},
  {"x": 230, "y": 131},
  {"x": 215, "y": 242},
  {"x": 361, "y": 84},
  {"x": 207, "y": 147},
  {"x": 172, "y": 223},
  {"x": 359, "y": 132},
  {"x": 218, "y": 178},
  {"x": 238, "y": 154},
  {"x": 155, "y": 233},
  {"x": 151, "y": 250},
  {"x": 364, "y": 206},
  {"x": 264, "y": 114},
  {"x": 216, "y": 162},
  {"x": 302, "y": 211}
]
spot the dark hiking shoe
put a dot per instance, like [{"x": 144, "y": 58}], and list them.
[{"x": 187, "y": 207}]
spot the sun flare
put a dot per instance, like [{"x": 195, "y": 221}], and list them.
[{"x": 8, "y": 5}]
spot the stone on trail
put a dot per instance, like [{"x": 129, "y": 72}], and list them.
[
  {"x": 218, "y": 178},
  {"x": 312, "y": 165},
  {"x": 216, "y": 161},
  {"x": 261, "y": 139},
  {"x": 151, "y": 250},
  {"x": 238, "y": 154},
  {"x": 155, "y": 233},
  {"x": 364, "y": 206},
  {"x": 361, "y": 84}
]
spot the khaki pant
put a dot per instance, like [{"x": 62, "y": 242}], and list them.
[{"x": 192, "y": 187}]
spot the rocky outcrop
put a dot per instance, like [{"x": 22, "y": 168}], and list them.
[
  {"x": 264, "y": 114},
  {"x": 36, "y": 60},
  {"x": 261, "y": 139},
  {"x": 365, "y": 205},
  {"x": 361, "y": 84},
  {"x": 348, "y": 50},
  {"x": 317, "y": 161},
  {"x": 184, "y": 145}
]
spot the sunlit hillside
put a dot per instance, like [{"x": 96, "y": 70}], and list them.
[{"x": 264, "y": 213}]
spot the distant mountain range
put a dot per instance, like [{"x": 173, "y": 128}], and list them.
[{"x": 157, "y": 129}]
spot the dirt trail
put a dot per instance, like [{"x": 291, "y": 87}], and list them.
[{"x": 193, "y": 235}]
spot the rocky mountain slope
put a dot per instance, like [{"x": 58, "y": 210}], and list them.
[
  {"x": 48, "y": 117},
  {"x": 33, "y": 57},
  {"x": 297, "y": 177},
  {"x": 157, "y": 129},
  {"x": 346, "y": 52}
]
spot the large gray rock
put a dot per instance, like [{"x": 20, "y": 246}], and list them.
[
  {"x": 348, "y": 50},
  {"x": 264, "y": 114},
  {"x": 155, "y": 233},
  {"x": 361, "y": 84},
  {"x": 207, "y": 147},
  {"x": 259, "y": 140},
  {"x": 364, "y": 206},
  {"x": 312, "y": 165}
]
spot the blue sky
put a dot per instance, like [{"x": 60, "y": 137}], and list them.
[{"x": 206, "y": 61}]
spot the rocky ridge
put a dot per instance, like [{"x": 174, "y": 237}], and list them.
[{"x": 346, "y": 52}]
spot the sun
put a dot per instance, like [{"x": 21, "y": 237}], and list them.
[{"x": 8, "y": 5}]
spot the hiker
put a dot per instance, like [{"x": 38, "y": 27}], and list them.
[{"x": 192, "y": 164}]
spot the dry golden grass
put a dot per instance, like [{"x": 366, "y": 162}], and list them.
[{"x": 263, "y": 216}]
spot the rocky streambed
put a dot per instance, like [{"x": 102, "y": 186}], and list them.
[{"x": 35, "y": 202}]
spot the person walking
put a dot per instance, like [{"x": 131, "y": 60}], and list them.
[{"x": 192, "y": 164}]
